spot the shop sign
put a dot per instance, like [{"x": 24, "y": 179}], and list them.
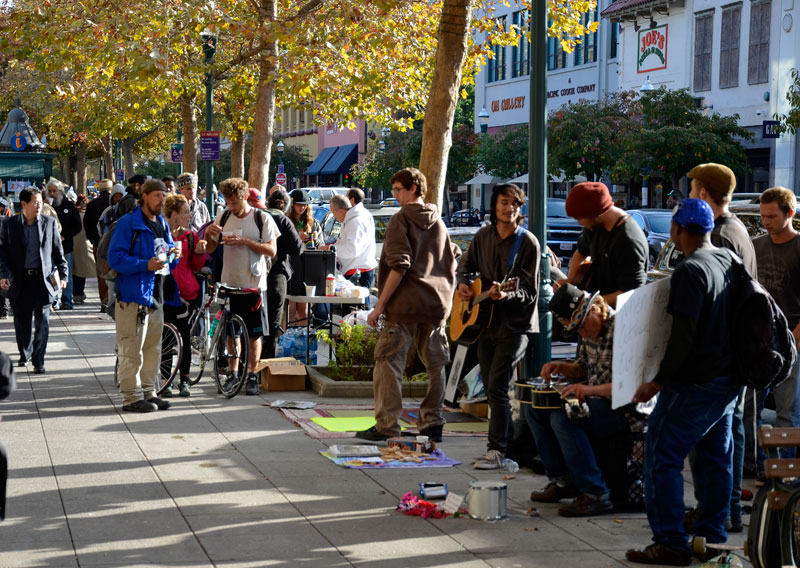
[{"x": 652, "y": 53}]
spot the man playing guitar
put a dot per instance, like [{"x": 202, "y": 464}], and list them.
[{"x": 499, "y": 252}]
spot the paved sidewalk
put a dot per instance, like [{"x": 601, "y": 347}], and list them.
[{"x": 216, "y": 482}]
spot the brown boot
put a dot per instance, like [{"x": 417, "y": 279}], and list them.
[
  {"x": 554, "y": 493},
  {"x": 587, "y": 506},
  {"x": 660, "y": 554}
]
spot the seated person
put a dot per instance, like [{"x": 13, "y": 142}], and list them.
[{"x": 564, "y": 442}]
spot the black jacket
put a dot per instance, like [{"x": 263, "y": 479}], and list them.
[
  {"x": 71, "y": 225},
  {"x": 94, "y": 209},
  {"x": 12, "y": 253},
  {"x": 289, "y": 244}
]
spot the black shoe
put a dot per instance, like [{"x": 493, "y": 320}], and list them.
[
  {"x": 23, "y": 362},
  {"x": 253, "y": 386},
  {"x": 67, "y": 307},
  {"x": 39, "y": 370},
  {"x": 102, "y": 308},
  {"x": 434, "y": 433},
  {"x": 160, "y": 403},
  {"x": 587, "y": 506},
  {"x": 732, "y": 527},
  {"x": 372, "y": 435},
  {"x": 140, "y": 406}
]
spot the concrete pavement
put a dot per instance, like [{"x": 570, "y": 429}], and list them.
[{"x": 217, "y": 482}]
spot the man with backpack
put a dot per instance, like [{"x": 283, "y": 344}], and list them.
[
  {"x": 140, "y": 249},
  {"x": 698, "y": 392},
  {"x": 250, "y": 237},
  {"x": 778, "y": 256}
]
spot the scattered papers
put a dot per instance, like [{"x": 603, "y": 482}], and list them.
[
  {"x": 299, "y": 404},
  {"x": 453, "y": 503},
  {"x": 359, "y": 450}
]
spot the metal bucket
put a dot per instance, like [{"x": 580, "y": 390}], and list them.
[{"x": 486, "y": 500}]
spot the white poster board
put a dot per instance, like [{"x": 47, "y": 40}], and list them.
[{"x": 641, "y": 332}]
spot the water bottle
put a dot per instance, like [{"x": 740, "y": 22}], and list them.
[
  {"x": 213, "y": 327},
  {"x": 510, "y": 466}
]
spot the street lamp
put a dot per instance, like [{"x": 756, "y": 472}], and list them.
[
  {"x": 646, "y": 87},
  {"x": 483, "y": 120},
  {"x": 209, "y": 41},
  {"x": 280, "y": 147},
  {"x": 382, "y": 146}
]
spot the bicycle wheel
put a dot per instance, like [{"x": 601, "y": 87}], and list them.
[
  {"x": 200, "y": 346},
  {"x": 171, "y": 352},
  {"x": 230, "y": 380}
]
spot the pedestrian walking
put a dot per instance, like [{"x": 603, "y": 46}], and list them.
[
  {"x": 83, "y": 257},
  {"x": 34, "y": 270},
  {"x": 416, "y": 280},
  {"x": 94, "y": 210},
  {"x": 70, "y": 221},
  {"x": 187, "y": 186}
]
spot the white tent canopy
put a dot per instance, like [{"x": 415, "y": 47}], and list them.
[
  {"x": 519, "y": 179},
  {"x": 482, "y": 179}
]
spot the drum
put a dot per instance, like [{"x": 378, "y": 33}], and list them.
[{"x": 540, "y": 393}]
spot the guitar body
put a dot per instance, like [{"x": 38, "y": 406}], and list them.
[{"x": 467, "y": 321}]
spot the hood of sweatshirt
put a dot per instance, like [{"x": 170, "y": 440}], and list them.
[{"x": 423, "y": 216}]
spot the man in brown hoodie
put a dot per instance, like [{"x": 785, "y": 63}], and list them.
[{"x": 416, "y": 280}]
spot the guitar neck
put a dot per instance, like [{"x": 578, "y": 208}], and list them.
[{"x": 508, "y": 286}]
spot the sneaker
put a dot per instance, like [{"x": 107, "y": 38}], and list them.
[
  {"x": 140, "y": 406},
  {"x": 78, "y": 299},
  {"x": 23, "y": 362},
  {"x": 167, "y": 392},
  {"x": 183, "y": 389},
  {"x": 689, "y": 520},
  {"x": 553, "y": 493},
  {"x": 160, "y": 403},
  {"x": 493, "y": 459},
  {"x": 732, "y": 527},
  {"x": 230, "y": 383},
  {"x": 658, "y": 553},
  {"x": 434, "y": 433},
  {"x": 586, "y": 505},
  {"x": 253, "y": 386},
  {"x": 373, "y": 435}
]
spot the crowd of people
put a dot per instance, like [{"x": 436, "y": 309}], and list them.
[{"x": 159, "y": 235}]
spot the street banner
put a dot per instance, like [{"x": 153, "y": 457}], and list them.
[
  {"x": 209, "y": 145},
  {"x": 641, "y": 333}
]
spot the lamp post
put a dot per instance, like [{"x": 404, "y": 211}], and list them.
[
  {"x": 646, "y": 87},
  {"x": 280, "y": 147},
  {"x": 179, "y": 140},
  {"x": 209, "y": 41},
  {"x": 483, "y": 122}
]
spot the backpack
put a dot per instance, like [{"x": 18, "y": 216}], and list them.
[
  {"x": 764, "y": 349},
  {"x": 216, "y": 257},
  {"x": 103, "y": 268}
]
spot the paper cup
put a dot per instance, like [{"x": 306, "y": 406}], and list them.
[{"x": 311, "y": 290}]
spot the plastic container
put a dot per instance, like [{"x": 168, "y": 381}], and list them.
[
  {"x": 330, "y": 285},
  {"x": 510, "y": 466}
]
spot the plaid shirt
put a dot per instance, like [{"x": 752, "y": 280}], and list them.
[{"x": 595, "y": 355}]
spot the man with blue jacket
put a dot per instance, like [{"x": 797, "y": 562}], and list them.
[{"x": 142, "y": 252}]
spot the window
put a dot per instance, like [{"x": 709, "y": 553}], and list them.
[
  {"x": 758, "y": 59},
  {"x": 497, "y": 64},
  {"x": 703, "y": 34},
  {"x": 614, "y": 39},
  {"x": 586, "y": 51},
  {"x": 729, "y": 46},
  {"x": 556, "y": 56},
  {"x": 521, "y": 53}
]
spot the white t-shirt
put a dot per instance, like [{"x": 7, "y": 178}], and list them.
[{"x": 236, "y": 261}]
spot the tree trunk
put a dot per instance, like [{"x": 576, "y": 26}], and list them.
[
  {"x": 107, "y": 142},
  {"x": 189, "y": 121},
  {"x": 73, "y": 161},
  {"x": 237, "y": 153},
  {"x": 80, "y": 167},
  {"x": 265, "y": 106},
  {"x": 127, "y": 156},
  {"x": 437, "y": 129}
]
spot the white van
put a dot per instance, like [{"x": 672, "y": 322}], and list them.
[{"x": 324, "y": 194}]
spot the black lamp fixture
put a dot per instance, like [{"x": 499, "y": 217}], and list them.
[{"x": 483, "y": 120}]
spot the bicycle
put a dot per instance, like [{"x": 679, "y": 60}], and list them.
[
  {"x": 171, "y": 353},
  {"x": 224, "y": 338}
]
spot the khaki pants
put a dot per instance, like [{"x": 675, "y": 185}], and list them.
[
  {"x": 390, "y": 361},
  {"x": 139, "y": 345}
]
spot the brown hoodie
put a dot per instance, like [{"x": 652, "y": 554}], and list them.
[{"x": 418, "y": 246}]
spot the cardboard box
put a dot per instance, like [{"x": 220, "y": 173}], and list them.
[
  {"x": 477, "y": 409},
  {"x": 282, "y": 374}
]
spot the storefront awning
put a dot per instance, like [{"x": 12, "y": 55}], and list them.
[
  {"x": 342, "y": 160},
  {"x": 320, "y": 161}
]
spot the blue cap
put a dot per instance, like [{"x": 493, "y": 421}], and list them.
[{"x": 692, "y": 211}]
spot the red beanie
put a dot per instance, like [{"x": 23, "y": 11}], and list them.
[{"x": 587, "y": 200}]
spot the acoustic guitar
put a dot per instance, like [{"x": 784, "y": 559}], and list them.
[{"x": 468, "y": 319}]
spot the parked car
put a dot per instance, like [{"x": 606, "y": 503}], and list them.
[
  {"x": 324, "y": 194},
  {"x": 319, "y": 211},
  {"x": 655, "y": 223},
  {"x": 391, "y": 202},
  {"x": 562, "y": 230},
  {"x": 464, "y": 218},
  {"x": 331, "y": 226}
]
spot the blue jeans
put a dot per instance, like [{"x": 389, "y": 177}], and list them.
[
  {"x": 565, "y": 444},
  {"x": 66, "y": 293},
  {"x": 686, "y": 417},
  {"x": 364, "y": 279},
  {"x": 498, "y": 355},
  {"x": 787, "y": 409}
]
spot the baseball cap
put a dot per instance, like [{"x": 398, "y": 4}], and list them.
[
  {"x": 694, "y": 215},
  {"x": 256, "y": 199}
]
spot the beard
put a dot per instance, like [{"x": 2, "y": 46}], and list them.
[{"x": 57, "y": 200}]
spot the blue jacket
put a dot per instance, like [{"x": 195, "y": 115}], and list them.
[{"x": 135, "y": 282}]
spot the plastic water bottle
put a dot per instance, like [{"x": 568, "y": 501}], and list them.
[
  {"x": 214, "y": 323},
  {"x": 510, "y": 466}
]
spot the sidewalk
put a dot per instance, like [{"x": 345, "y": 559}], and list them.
[{"x": 217, "y": 482}]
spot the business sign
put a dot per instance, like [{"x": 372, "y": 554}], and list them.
[
  {"x": 19, "y": 143},
  {"x": 209, "y": 145},
  {"x": 176, "y": 153},
  {"x": 652, "y": 52},
  {"x": 280, "y": 178},
  {"x": 770, "y": 129}
]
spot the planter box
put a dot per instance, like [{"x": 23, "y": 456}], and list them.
[{"x": 327, "y": 387}]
